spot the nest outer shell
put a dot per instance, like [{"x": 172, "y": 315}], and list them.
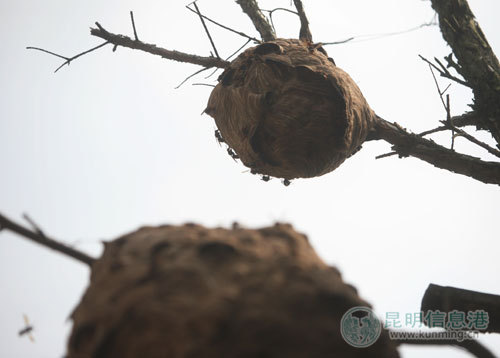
[
  {"x": 190, "y": 292},
  {"x": 288, "y": 111}
]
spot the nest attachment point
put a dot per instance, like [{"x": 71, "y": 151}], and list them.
[{"x": 288, "y": 111}]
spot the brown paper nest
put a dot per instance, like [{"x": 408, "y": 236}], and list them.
[
  {"x": 288, "y": 111},
  {"x": 192, "y": 292}
]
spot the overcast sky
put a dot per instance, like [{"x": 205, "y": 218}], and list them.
[{"x": 107, "y": 145}]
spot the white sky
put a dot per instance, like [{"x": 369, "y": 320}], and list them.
[{"x": 107, "y": 145}]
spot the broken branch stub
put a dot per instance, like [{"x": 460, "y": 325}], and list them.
[{"x": 288, "y": 111}]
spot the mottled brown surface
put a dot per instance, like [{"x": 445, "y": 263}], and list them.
[
  {"x": 191, "y": 292},
  {"x": 288, "y": 111}
]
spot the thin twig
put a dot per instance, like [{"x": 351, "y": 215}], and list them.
[
  {"x": 203, "y": 84},
  {"x": 133, "y": 25},
  {"x": 437, "y": 86},
  {"x": 238, "y": 50},
  {"x": 463, "y": 120},
  {"x": 125, "y": 41},
  {"x": 408, "y": 144},
  {"x": 386, "y": 155},
  {"x": 242, "y": 34},
  {"x": 446, "y": 73},
  {"x": 472, "y": 139},
  {"x": 450, "y": 121},
  {"x": 270, "y": 13},
  {"x": 39, "y": 237},
  {"x": 252, "y": 10},
  {"x": 211, "y": 74},
  {"x": 190, "y": 76},
  {"x": 448, "y": 124},
  {"x": 68, "y": 59},
  {"x": 370, "y": 37},
  {"x": 206, "y": 29},
  {"x": 305, "y": 33},
  {"x": 339, "y": 42}
]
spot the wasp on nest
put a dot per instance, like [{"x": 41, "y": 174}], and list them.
[{"x": 288, "y": 111}]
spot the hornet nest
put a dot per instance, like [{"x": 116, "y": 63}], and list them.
[{"x": 288, "y": 111}]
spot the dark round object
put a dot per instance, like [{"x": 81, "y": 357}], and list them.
[{"x": 288, "y": 111}]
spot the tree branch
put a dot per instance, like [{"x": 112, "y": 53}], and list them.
[
  {"x": 39, "y": 237},
  {"x": 446, "y": 299},
  {"x": 408, "y": 144},
  {"x": 251, "y": 8},
  {"x": 477, "y": 63},
  {"x": 68, "y": 59},
  {"x": 463, "y": 120},
  {"x": 305, "y": 33},
  {"x": 125, "y": 41}
]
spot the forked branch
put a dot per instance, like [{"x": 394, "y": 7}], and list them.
[
  {"x": 408, "y": 144},
  {"x": 251, "y": 8},
  {"x": 477, "y": 63},
  {"x": 125, "y": 41}
]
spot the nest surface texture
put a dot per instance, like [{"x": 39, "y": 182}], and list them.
[
  {"x": 192, "y": 292},
  {"x": 288, "y": 111}
]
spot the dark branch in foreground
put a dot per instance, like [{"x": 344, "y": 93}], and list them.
[
  {"x": 251, "y": 8},
  {"x": 305, "y": 33},
  {"x": 125, "y": 41},
  {"x": 407, "y": 144},
  {"x": 447, "y": 299},
  {"x": 38, "y": 236},
  {"x": 473, "y": 347}
]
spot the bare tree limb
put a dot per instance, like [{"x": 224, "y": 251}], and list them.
[
  {"x": 242, "y": 34},
  {"x": 477, "y": 63},
  {"x": 408, "y": 144},
  {"x": 133, "y": 25},
  {"x": 68, "y": 59},
  {"x": 125, "y": 41},
  {"x": 305, "y": 33},
  {"x": 39, "y": 237},
  {"x": 206, "y": 29},
  {"x": 467, "y": 119},
  {"x": 270, "y": 12},
  {"x": 446, "y": 299},
  {"x": 444, "y": 72},
  {"x": 251, "y": 8}
]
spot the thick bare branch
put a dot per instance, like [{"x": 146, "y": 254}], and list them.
[
  {"x": 305, "y": 33},
  {"x": 125, "y": 41},
  {"x": 408, "y": 144},
  {"x": 39, "y": 237},
  {"x": 447, "y": 299},
  {"x": 477, "y": 63},
  {"x": 251, "y": 8}
]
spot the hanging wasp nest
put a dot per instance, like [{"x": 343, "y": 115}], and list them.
[
  {"x": 288, "y": 111},
  {"x": 192, "y": 292}
]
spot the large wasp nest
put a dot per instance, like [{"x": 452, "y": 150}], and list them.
[
  {"x": 192, "y": 292},
  {"x": 288, "y": 111}
]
